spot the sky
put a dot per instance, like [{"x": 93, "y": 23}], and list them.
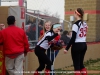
[{"x": 51, "y": 6}]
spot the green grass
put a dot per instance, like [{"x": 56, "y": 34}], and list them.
[
  {"x": 93, "y": 64},
  {"x": 89, "y": 64}
]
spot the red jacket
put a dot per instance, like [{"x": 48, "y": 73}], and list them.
[
  {"x": 41, "y": 32},
  {"x": 14, "y": 41}
]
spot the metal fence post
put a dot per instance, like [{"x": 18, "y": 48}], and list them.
[{"x": 37, "y": 25}]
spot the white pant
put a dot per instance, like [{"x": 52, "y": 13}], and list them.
[{"x": 14, "y": 66}]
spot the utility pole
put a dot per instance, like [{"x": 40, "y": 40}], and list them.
[{"x": 37, "y": 22}]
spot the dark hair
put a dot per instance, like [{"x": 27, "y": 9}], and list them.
[
  {"x": 10, "y": 20},
  {"x": 81, "y": 12},
  {"x": 51, "y": 29},
  {"x": 65, "y": 33},
  {"x": 52, "y": 26}
]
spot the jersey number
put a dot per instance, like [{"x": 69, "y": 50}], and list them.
[{"x": 83, "y": 32}]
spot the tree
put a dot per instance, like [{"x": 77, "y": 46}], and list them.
[
  {"x": 46, "y": 12},
  {"x": 56, "y": 15}
]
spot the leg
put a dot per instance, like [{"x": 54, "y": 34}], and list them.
[
  {"x": 43, "y": 59},
  {"x": 76, "y": 60},
  {"x": 40, "y": 68},
  {"x": 83, "y": 69},
  {"x": 41, "y": 65},
  {"x": 39, "y": 53},
  {"x": 48, "y": 52},
  {"x": 9, "y": 63},
  {"x": 19, "y": 64},
  {"x": 82, "y": 59},
  {"x": 48, "y": 63},
  {"x": 54, "y": 54}
]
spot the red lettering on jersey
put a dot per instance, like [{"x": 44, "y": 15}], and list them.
[{"x": 83, "y": 32}]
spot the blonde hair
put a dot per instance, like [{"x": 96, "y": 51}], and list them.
[{"x": 44, "y": 30}]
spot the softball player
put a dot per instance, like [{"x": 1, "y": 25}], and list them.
[
  {"x": 78, "y": 42},
  {"x": 42, "y": 46}
]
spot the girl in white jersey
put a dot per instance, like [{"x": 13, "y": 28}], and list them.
[
  {"x": 42, "y": 46},
  {"x": 78, "y": 42}
]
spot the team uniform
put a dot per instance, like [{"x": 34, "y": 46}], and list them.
[
  {"x": 49, "y": 53},
  {"x": 78, "y": 42},
  {"x": 40, "y": 49}
]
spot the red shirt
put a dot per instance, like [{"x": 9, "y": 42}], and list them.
[
  {"x": 14, "y": 41},
  {"x": 57, "y": 38},
  {"x": 41, "y": 32}
]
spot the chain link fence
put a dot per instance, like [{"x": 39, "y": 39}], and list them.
[{"x": 34, "y": 24}]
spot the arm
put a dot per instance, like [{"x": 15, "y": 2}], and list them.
[
  {"x": 74, "y": 32},
  {"x": 72, "y": 40},
  {"x": 1, "y": 38},
  {"x": 49, "y": 38},
  {"x": 26, "y": 45}
]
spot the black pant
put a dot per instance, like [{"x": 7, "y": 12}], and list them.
[
  {"x": 52, "y": 54},
  {"x": 78, "y": 51},
  {"x": 42, "y": 58}
]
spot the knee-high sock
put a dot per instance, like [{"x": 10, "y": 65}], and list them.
[
  {"x": 77, "y": 73},
  {"x": 47, "y": 72},
  {"x": 36, "y": 73},
  {"x": 84, "y": 71}
]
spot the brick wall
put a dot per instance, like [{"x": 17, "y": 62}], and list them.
[
  {"x": 3, "y": 15},
  {"x": 98, "y": 21},
  {"x": 92, "y": 7}
]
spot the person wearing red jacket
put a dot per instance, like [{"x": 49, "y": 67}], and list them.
[{"x": 15, "y": 45}]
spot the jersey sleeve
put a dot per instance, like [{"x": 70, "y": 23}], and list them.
[
  {"x": 72, "y": 40},
  {"x": 75, "y": 28},
  {"x": 50, "y": 37},
  {"x": 57, "y": 38},
  {"x": 48, "y": 34}
]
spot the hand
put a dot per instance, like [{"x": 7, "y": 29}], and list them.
[
  {"x": 25, "y": 54},
  {"x": 65, "y": 51},
  {"x": 2, "y": 26},
  {"x": 63, "y": 44},
  {"x": 59, "y": 33}
]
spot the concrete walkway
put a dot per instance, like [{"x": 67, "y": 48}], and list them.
[{"x": 93, "y": 72}]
